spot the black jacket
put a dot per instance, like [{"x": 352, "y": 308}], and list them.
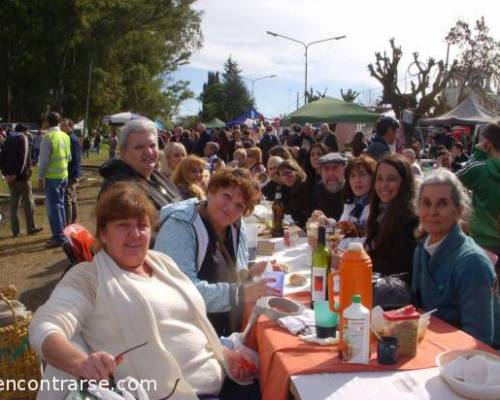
[
  {"x": 160, "y": 190},
  {"x": 15, "y": 157},
  {"x": 396, "y": 255},
  {"x": 330, "y": 141},
  {"x": 267, "y": 142},
  {"x": 332, "y": 204},
  {"x": 297, "y": 202},
  {"x": 199, "y": 147},
  {"x": 269, "y": 190}
]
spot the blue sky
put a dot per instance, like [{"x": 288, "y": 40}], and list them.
[{"x": 238, "y": 28}]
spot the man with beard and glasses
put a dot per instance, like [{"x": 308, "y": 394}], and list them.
[{"x": 327, "y": 195}]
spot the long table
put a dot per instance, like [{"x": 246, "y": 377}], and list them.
[{"x": 289, "y": 364}]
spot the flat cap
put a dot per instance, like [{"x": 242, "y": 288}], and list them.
[{"x": 333, "y": 158}]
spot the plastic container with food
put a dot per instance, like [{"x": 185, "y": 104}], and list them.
[{"x": 403, "y": 324}]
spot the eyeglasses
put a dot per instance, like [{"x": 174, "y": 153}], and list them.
[{"x": 286, "y": 174}]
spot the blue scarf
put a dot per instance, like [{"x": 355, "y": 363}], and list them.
[{"x": 359, "y": 205}]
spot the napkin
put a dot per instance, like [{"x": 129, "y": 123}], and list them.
[
  {"x": 300, "y": 323},
  {"x": 322, "y": 341}
]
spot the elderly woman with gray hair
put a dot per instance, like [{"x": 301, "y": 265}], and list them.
[
  {"x": 450, "y": 271},
  {"x": 139, "y": 157}
]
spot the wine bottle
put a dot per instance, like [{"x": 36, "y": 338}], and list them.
[
  {"x": 320, "y": 266},
  {"x": 278, "y": 215}
]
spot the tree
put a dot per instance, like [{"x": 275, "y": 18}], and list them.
[
  {"x": 212, "y": 97},
  {"x": 226, "y": 99},
  {"x": 350, "y": 95},
  {"x": 236, "y": 98},
  {"x": 479, "y": 57},
  {"x": 134, "y": 46},
  {"x": 311, "y": 96},
  {"x": 429, "y": 79}
]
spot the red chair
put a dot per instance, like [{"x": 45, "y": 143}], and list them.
[{"x": 78, "y": 244}]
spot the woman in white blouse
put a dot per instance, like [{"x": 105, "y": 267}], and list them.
[{"x": 129, "y": 295}]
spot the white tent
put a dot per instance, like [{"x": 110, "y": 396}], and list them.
[
  {"x": 122, "y": 118},
  {"x": 468, "y": 112}
]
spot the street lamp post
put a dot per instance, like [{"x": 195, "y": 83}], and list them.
[
  {"x": 258, "y": 79},
  {"x": 306, "y": 48}
]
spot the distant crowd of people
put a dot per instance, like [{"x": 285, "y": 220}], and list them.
[{"x": 173, "y": 240}]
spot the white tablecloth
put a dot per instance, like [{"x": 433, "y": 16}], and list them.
[
  {"x": 298, "y": 258},
  {"x": 424, "y": 384}
]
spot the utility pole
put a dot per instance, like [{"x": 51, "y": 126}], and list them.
[{"x": 306, "y": 48}]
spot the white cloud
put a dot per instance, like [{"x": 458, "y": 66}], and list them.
[{"x": 237, "y": 28}]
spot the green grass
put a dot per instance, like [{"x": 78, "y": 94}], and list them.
[{"x": 94, "y": 159}]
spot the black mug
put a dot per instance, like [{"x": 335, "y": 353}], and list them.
[{"x": 388, "y": 350}]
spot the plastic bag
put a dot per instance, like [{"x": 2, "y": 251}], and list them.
[
  {"x": 234, "y": 342},
  {"x": 390, "y": 292}
]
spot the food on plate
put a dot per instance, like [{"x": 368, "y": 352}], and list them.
[
  {"x": 277, "y": 266},
  {"x": 349, "y": 229},
  {"x": 297, "y": 280}
]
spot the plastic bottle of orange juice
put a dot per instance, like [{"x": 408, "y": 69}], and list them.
[{"x": 354, "y": 276}]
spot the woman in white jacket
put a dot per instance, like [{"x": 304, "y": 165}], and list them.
[{"x": 129, "y": 295}]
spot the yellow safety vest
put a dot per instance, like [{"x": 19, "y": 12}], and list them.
[{"x": 61, "y": 154}]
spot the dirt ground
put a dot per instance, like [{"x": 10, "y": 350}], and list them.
[{"x": 25, "y": 262}]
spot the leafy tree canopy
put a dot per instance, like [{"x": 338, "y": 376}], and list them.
[
  {"x": 225, "y": 99},
  {"x": 134, "y": 46},
  {"x": 479, "y": 57},
  {"x": 349, "y": 95}
]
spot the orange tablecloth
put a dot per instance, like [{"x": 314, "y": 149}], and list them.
[{"x": 283, "y": 355}]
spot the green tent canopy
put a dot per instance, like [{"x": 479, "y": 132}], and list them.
[
  {"x": 215, "y": 123},
  {"x": 330, "y": 110}
]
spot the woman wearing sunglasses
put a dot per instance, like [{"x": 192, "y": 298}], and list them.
[{"x": 129, "y": 295}]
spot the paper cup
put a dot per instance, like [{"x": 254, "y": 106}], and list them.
[{"x": 279, "y": 279}]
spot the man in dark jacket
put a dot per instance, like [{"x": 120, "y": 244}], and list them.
[
  {"x": 304, "y": 141},
  {"x": 139, "y": 156},
  {"x": 327, "y": 195},
  {"x": 386, "y": 129},
  {"x": 74, "y": 173},
  {"x": 444, "y": 138},
  {"x": 328, "y": 137},
  {"x": 204, "y": 138},
  {"x": 15, "y": 163},
  {"x": 268, "y": 141}
]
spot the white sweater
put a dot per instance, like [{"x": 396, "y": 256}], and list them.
[{"x": 113, "y": 314}]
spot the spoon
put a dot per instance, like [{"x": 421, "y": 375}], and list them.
[
  {"x": 426, "y": 314},
  {"x": 376, "y": 334}
]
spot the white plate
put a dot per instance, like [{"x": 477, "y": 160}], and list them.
[{"x": 469, "y": 390}]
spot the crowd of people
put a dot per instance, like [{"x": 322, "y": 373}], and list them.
[{"x": 173, "y": 266}]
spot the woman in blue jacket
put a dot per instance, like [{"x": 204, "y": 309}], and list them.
[
  {"x": 450, "y": 271},
  {"x": 207, "y": 240}
]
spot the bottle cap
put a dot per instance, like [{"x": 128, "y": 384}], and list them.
[
  {"x": 355, "y": 247},
  {"x": 405, "y": 313},
  {"x": 356, "y": 298}
]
